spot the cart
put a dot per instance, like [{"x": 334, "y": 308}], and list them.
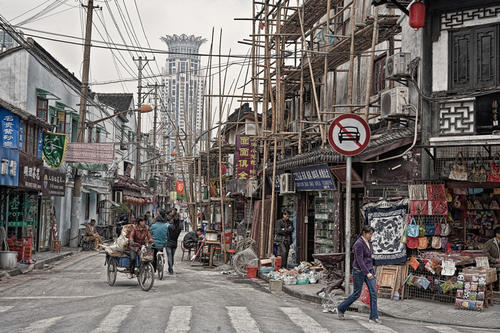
[{"x": 143, "y": 267}]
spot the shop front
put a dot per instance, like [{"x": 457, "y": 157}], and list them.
[{"x": 9, "y": 178}]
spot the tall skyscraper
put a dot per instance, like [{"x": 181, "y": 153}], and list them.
[{"x": 182, "y": 95}]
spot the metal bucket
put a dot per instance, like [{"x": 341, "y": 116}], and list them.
[{"x": 8, "y": 259}]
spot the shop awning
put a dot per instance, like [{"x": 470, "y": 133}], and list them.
[
  {"x": 45, "y": 94},
  {"x": 96, "y": 189}
]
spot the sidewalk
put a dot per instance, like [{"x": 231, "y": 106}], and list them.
[
  {"x": 41, "y": 259},
  {"x": 411, "y": 309}
]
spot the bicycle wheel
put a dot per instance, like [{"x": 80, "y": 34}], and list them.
[
  {"x": 160, "y": 265},
  {"x": 111, "y": 271},
  {"x": 146, "y": 276}
]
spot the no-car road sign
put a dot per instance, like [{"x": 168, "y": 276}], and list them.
[{"x": 349, "y": 134}]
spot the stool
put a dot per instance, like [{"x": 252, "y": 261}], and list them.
[{"x": 184, "y": 250}]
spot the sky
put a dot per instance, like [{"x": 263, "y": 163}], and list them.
[{"x": 159, "y": 18}]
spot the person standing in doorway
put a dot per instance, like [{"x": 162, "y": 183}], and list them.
[
  {"x": 283, "y": 237},
  {"x": 362, "y": 272},
  {"x": 174, "y": 230}
]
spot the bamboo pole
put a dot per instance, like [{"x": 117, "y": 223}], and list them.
[
  {"x": 325, "y": 85},
  {"x": 370, "y": 67},
  {"x": 351, "y": 57}
]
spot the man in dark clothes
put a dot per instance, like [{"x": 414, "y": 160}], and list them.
[
  {"x": 283, "y": 237},
  {"x": 174, "y": 230}
]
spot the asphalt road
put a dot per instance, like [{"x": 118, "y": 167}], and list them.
[{"x": 73, "y": 296}]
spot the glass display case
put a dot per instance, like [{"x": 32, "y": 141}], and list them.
[{"x": 323, "y": 223}]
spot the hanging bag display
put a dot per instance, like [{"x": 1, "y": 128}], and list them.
[
  {"x": 478, "y": 172},
  {"x": 412, "y": 229},
  {"x": 494, "y": 174},
  {"x": 417, "y": 192},
  {"x": 436, "y": 242},
  {"x": 423, "y": 243},
  {"x": 438, "y": 207},
  {"x": 445, "y": 228},
  {"x": 459, "y": 168},
  {"x": 412, "y": 242},
  {"x": 421, "y": 228},
  {"x": 429, "y": 228},
  {"x": 436, "y": 192},
  {"x": 437, "y": 228},
  {"x": 419, "y": 207}
]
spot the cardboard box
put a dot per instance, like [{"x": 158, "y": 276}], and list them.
[{"x": 275, "y": 285}]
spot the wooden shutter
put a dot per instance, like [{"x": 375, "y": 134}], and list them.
[
  {"x": 461, "y": 59},
  {"x": 485, "y": 56}
]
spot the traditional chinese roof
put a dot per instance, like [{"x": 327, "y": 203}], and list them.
[
  {"x": 125, "y": 182},
  {"x": 117, "y": 101},
  {"x": 390, "y": 141}
]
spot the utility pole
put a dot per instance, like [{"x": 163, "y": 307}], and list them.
[
  {"x": 142, "y": 62},
  {"x": 77, "y": 187}
]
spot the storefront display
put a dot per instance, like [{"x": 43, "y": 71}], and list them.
[{"x": 323, "y": 223}]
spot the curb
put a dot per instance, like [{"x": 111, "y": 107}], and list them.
[{"x": 38, "y": 265}]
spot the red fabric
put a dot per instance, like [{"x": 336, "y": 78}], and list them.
[
  {"x": 439, "y": 207},
  {"x": 436, "y": 192},
  {"x": 494, "y": 175},
  {"x": 365, "y": 294},
  {"x": 139, "y": 236},
  {"x": 419, "y": 207}
]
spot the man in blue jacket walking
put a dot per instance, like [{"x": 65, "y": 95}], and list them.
[{"x": 159, "y": 231}]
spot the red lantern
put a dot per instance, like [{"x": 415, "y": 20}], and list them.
[
  {"x": 417, "y": 15},
  {"x": 223, "y": 169}
]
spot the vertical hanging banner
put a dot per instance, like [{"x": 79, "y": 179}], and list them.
[
  {"x": 54, "y": 148},
  {"x": 245, "y": 157},
  {"x": 180, "y": 187},
  {"x": 10, "y": 129}
]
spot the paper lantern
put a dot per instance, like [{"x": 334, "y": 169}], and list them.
[{"x": 417, "y": 15}]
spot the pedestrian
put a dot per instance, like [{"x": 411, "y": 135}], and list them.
[
  {"x": 159, "y": 231},
  {"x": 148, "y": 219},
  {"x": 362, "y": 272},
  {"x": 492, "y": 248},
  {"x": 283, "y": 237},
  {"x": 174, "y": 230}
]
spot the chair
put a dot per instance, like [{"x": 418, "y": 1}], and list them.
[{"x": 184, "y": 250}]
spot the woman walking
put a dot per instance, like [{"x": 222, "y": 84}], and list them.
[{"x": 362, "y": 272}]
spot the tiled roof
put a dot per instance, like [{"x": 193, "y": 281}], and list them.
[
  {"x": 328, "y": 155},
  {"x": 119, "y": 102}
]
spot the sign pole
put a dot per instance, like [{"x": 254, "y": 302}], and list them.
[{"x": 348, "y": 223}]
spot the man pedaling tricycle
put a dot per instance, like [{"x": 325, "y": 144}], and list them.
[{"x": 139, "y": 236}]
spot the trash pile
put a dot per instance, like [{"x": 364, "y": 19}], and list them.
[{"x": 305, "y": 273}]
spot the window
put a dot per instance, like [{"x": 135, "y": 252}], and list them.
[
  {"x": 87, "y": 206},
  {"x": 61, "y": 122},
  {"x": 42, "y": 108},
  {"x": 378, "y": 81},
  {"x": 31, "y": 139},
  {"x": 473, "y": 58}
]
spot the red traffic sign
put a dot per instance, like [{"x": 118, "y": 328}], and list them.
[{"x": 349, "y": 134}]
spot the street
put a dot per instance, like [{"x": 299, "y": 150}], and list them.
[{"x": 73, "y": 296}]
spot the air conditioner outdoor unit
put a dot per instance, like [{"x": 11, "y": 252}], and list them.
[
  {"x": 251, "y": 187},
  {"x": 287, "y": 183},
  {"x": 396, "y": 66},
  {"x": 393, "y": 101},
  {"x": 118, "y": 197}
]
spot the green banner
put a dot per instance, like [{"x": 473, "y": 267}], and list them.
[{"x": 54, "y": 148}]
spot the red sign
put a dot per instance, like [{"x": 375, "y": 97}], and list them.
[
  {"x": 180, "y": 187},
  {"x": 349, "y": 134}
]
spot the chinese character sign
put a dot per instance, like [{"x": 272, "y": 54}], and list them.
[
  {"x": 21, "y": 135},
  {"x": 313, "y": 178},
  {"x": 10, "y": 129},
  {"x": 245, "y": 157},
  {"x": 180, "y": 187},
  {"x": 54, "y": 148}
]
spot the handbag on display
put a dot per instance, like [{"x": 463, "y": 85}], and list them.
[
  {"x": 412, "y": 229},
  {"x": 449, "y": 197},
  {"x": 437, "y": 228},
  {"x": 436, "y": 242},
  {"x": 429, "y": 228},
  {"x": 414, "y": 263},
  {"x": 459, "y": 168},
  {"x": 444, "y": 242},
  {"x": 403, "y": 234},
  {"x": 421, "y": 228},
  {"x": 438, "y": 207},
  {"x": 494, "y": 205},
  {"x": 419, "y": 207},
  {"x": 436, "y": 192},
  {"x": 470, "y": 205},
  {"x": 423, "y": 243},
  {"x": 412, "y": 242},
  {"x": 445, "y": 228},
  {"x": 494, "y": 174},
  {"x": 417, "y": 192},
  {"x": 477, "y": 204},
  {"x": 478, "y": 172}
]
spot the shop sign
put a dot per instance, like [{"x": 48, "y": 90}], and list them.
[
  {"x": 313, "y": 178},
  {"x": 54, "y": 148},
  {"x": 30, "y": 172},
  {"x": 179, "y": 187},
  {"x": 276, "y": 180},
  {"x": 91, "y": 152},
  {"x": 10, "y": 129},
  {"x": 20, "y": 145},
  {"x": 245, "y": 157},
  {"x": 54, "y": 183},
  {"x": 9, "y": 173}
]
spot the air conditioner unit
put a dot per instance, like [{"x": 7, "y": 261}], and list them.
[
  {"x": 393, "y": 102},
  {"x": 118, "y": 197},
  {"x": 252, "y": 185},
  {"x": 287, "y": 183},
  {"x": 396, "y": 66}
]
